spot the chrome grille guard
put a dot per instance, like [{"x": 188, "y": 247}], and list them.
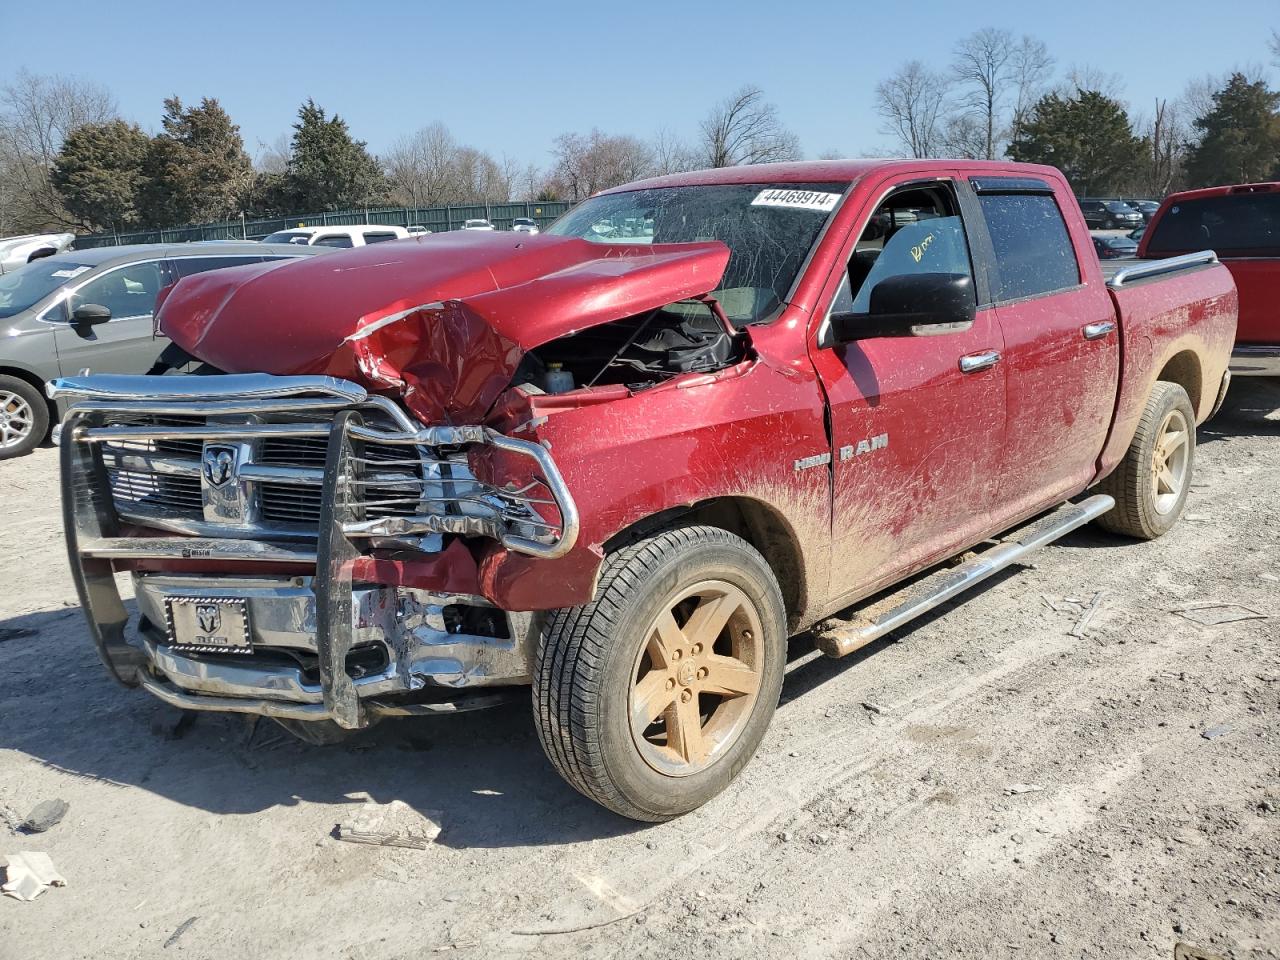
[{"x": 93, "y": 525}]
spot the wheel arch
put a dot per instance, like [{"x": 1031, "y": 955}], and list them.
[
  {"x": 1184, "y": 369},
  {"x": 759, "y": 523}
]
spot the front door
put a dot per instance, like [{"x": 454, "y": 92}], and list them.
[
  {"x": 917, "y": 423},
  {"x": 125, "y": 344}
]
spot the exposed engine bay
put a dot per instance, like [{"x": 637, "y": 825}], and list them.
[{"x": 638, "y": 351}]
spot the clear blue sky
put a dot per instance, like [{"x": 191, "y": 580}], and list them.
[{"x": 509, "y": 76}]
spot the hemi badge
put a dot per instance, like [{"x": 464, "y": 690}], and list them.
[{"x": 817, "y": 460}]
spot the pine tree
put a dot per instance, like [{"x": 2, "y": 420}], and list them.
[
  {"x": 1088, "y": 137},
  {"x": 196, "y": 168},
  {"x": 98, "y": 173},
  {"x": 1239, "y": 136},
  {"x": 328, "y": 169}
]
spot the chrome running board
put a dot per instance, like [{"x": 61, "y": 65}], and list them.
[{"x": 839, "y": 637}]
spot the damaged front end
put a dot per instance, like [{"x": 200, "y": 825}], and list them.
[
  {"x": 296, "y": 544},
  {"x": 319, "y": 541}
]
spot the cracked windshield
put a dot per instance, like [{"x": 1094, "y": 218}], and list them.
[{"x": 768, "y": 228}]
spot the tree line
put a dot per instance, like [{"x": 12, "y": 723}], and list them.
[
  {"x": 68, "y": 160},
  {"x": 1000, "y": 97}
]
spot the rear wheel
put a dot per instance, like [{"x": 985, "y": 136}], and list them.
[
  {"x": 1151, "y": 484},
  {"x": 651, "y": 698},
  {"x": 24, "y": 417}
]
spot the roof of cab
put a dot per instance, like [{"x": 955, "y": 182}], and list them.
[
  {"x": 1223, "y": 191},
  {"x": 826, "y": 171}
]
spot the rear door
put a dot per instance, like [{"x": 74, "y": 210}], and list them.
[
  {"x": 125, "y": 344},
  {"x": 916, "y": 422},
  {"x": 1061, "y": 354}
]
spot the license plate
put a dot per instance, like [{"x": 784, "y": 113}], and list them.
[{"x": 209, "y": 624}]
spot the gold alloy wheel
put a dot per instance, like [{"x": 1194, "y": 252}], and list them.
[
  {"x": 1169, "y": 461},
  {"x": 696, "y": 678}
]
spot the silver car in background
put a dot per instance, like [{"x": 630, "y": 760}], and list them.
[{"x": 93, "y": 309}]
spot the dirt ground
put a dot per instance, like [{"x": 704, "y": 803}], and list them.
[{"x": 877, "y": 820}]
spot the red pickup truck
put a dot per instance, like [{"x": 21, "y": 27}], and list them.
[
  {"x": 1241, "y": 224},
  {"x": 625, "y": 460}
]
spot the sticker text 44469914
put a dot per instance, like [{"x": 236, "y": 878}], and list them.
[{"x": 796, "y": 199}]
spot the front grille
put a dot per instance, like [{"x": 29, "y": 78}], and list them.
[{"x": 161, "y": 479}]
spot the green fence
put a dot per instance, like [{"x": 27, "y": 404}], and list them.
[{"x": 435, "y": 219}]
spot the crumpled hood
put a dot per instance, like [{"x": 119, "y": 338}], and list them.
[{"x": 443, "y": 320}]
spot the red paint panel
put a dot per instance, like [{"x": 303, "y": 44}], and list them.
[{"x": 1258, "y": 284}]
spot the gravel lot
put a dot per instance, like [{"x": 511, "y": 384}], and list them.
[{"x": 876, "y": 821}]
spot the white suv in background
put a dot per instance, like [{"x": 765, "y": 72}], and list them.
[
  {"x": 357, "y": 235},
  {"x": 478, "y": 225}
]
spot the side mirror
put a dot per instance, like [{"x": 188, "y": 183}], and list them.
[
  {"x": 90, "y": 315},
  {"x": 911, "y": 305}
]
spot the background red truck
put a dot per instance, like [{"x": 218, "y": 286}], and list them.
[
  {"x": 625, "y": 460},
  {"x": 1241, "y": 224}
]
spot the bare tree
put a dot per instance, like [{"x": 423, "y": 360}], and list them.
[
  {"x": 671, "y": 154},
  {"x": 964, "y": 135},
  {"x": 585, "y": 164},
  {"x": 1088, "y": 77},
  {"x": 1165, "y": 135},
  {"x": 744, "y": 128},
  {"x": 983, "y": 68},
  {"x": 36, "y": 114},
  {"x": 911, "y": 102},
  {"x": 1029, "y": 67},
  {"x": 273, "y": 157}
]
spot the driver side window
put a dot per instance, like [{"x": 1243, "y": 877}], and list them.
[
  {"x": 129, "y": 291},
  {"x": 916, "y": 230}
]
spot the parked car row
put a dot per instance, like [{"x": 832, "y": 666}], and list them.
[{"x": 362, "y": 234}]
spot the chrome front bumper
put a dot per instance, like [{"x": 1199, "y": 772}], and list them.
[
  {"x": 326, "y": 646},
  {"x": 1256, "y": 360},
  {"x": 403, "y": 634}
]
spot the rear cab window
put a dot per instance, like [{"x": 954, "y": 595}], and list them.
[
  {"x": 1034, "y": 255},
  {"x": 379, "y": 236},
  {"x": 1236, "y": 225},
  {"x": 334, "y": 240}
]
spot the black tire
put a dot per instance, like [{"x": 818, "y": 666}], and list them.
[
  {"x": 1108, "y": 224},
  {"x": 589, "y": 658},
  {"x": 23, "y": 401},
  {"x": 1140, "y": 511}
]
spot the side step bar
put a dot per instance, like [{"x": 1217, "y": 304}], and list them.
[{"x": 887, "y": 614}]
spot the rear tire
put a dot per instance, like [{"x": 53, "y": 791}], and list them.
[
  {"x": 24, "y": 417},
  {"x": 652, "y": 697},
  {"x": 1151, "y": 483}
]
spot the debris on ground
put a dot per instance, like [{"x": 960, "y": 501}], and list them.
[
  {"x": 16, "y": 633},
  {"x": 47, "y": 814},
  {"x": 1212, "y": 733},
  {"x": 1083, "y": 623},
  {"x": 393, "y": 824},
  {"x": 1016, "y": 788},
  {"x": 873, "y": 707},
  {"x": 182, "y": 928},
  {"x": 1213, "y": 614},
  {"x": 27, "y": 874}
]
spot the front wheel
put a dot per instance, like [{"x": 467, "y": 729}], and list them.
[
  {"x": 1151, "y": 484},
  {"x": 652, "y": 697}
]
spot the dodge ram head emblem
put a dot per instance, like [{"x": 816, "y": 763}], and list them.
[
  {"x": 219, "y": 465},
  {"x": 209, "y": 617}
]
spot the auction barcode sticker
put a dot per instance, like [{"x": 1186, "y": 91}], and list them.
[{"x": 796, "y": 199}]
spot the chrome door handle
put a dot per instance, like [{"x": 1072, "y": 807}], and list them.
[
  {"x": 973, "y": 362},
  {"x": 1096, "y": 331}
]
